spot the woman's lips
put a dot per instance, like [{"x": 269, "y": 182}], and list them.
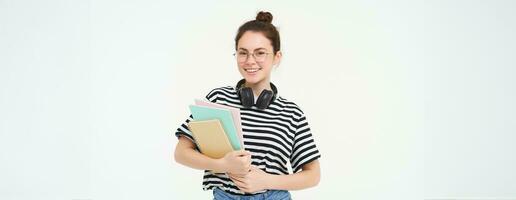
[{"x": 252, "y": 71}]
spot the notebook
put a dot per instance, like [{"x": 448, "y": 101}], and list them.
[
  {"x": 225, "y": 117},
  {"x": 210, "y": 138},
  {"x": 235, "y": 113}
]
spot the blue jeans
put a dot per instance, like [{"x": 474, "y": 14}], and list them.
[{"x": 219, "y": 194}]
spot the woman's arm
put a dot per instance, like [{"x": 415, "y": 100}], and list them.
[
  {"x": 236, "y": 162},
  {"x": 257, "y": 179}
]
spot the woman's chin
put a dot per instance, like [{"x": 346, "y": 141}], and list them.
[{"x": 252, "y": 79}]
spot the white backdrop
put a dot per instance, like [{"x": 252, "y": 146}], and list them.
[{"x": 406, "y": 99}]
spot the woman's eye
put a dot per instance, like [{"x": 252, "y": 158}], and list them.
[
  {"x": 242, "y": 53},
  {"x": 260, "y": 53}
]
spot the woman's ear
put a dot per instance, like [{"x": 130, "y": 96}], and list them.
[{"x": 277, "y": 59}]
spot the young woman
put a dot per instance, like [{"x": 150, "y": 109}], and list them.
[{"x": 275, "y": 130}]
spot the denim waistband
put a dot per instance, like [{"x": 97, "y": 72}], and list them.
[{"x": 269, "y": 194}]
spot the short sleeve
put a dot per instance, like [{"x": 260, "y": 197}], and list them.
[
  {"x": 183, "y": 129},
  {"x": 304, "y": 149}
]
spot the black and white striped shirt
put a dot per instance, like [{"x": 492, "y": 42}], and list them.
[{"x": 278, "y": 137}]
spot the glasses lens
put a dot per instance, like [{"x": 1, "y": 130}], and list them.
[
  {"x": 241, "y": 55},
  {"x": 260, "y": 56}
]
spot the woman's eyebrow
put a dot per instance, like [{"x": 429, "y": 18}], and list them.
[{"x": 261, "y": 48}]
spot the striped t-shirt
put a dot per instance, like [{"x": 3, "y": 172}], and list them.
[{"x": 278, "y": 137}]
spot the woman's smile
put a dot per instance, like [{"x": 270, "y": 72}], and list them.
[{"x": 252, "y": 71}]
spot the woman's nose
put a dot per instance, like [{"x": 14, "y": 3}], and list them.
[{"x": 248, "y": 60}]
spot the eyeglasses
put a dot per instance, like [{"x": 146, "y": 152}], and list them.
[{"x": 259, "y": 56}]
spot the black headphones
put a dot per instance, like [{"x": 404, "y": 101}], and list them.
[{"x": 247, "y": 97}]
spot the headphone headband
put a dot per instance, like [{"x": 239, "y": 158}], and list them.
[{"x": 246, "y": 95}]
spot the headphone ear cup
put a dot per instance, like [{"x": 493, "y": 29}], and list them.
[
  {"x": 264, "y": 99},
  {"x": 246, "y": 97}
]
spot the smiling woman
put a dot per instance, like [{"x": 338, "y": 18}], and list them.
[{"x": 276, "y": 133}]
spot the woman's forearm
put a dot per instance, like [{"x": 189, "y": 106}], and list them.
[{"x": 297, "y": 181}]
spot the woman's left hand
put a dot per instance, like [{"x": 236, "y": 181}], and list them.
[{"x": 253, "y": 181}]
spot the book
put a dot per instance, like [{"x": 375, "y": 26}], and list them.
[
  {"x": 235, "y": 113},
  {"x": 225, "y": 117},
  {"x": 210, "y": 137}
]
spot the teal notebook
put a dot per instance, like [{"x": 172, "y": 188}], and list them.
[{"x": 225, "y": 117}]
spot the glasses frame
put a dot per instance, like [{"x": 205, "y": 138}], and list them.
[{"x": 247, "y": 57}]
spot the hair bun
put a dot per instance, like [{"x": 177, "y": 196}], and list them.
[{"x": 264, "y": 16}]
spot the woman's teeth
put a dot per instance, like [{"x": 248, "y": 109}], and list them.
[{"x": 252, "y": 70}]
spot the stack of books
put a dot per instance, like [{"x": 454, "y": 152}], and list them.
[{"x": 216, "y": 128}]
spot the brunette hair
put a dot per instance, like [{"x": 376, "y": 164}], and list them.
[{"x": 262, "y": 24}]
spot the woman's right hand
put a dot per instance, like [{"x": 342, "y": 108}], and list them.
[{"x": 236, "y": 162}]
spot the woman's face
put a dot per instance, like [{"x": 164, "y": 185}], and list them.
[{"x": 255, "y": 69}]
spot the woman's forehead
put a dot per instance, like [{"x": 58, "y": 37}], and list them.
[{"x": 252, "y": 41}]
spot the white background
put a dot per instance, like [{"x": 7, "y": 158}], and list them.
[{"x": 406, "y": 99}]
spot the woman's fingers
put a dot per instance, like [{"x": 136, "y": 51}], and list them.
[
  {"x": 241, "y": 185},
  {"x": 237, "y": 181},
  {"x": 236, "y": 175},
  {"x": 240, "y": 153}
]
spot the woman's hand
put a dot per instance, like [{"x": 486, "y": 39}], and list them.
[
  {"x": 253, "y": 181},
  {"x": 236, "y": 162}
]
